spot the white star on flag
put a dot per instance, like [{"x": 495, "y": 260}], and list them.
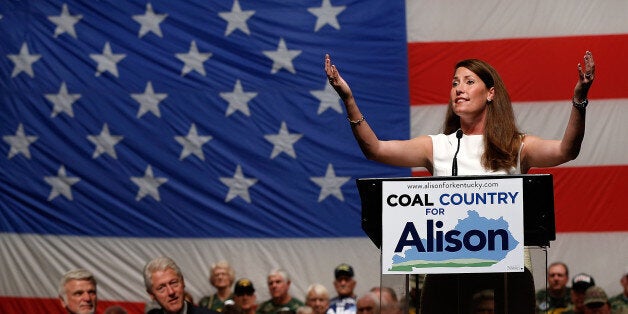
[
  {"x": 107, "y": 61},
  {"x": 282, "y": 57},
  {"x": 24, "y": 61},
  {"x": 65, "y": 22},
  {"x": 330, "y": 184},
  {"x": 61, "y": 184},
  {"x": 62, "y": 101},
  {"x": 192, "y": 143},
  {"x": 238, "y": 99},
  {"x": 149, "y": 101},
  {"x": 236, "y": 19},
  {"x": 283, "y": 141},
  {"x": 148, "y": 184},
  {"x": 326, "y": 14},
  {"x": 238, "y": 185},
  {"x": 19, "y": 142},
  {"x": 150, "y": 21},
  {"x": 193, "y": 60},
  {"x": 328, "y": 99},
  {"x": 105, "y": 142}
]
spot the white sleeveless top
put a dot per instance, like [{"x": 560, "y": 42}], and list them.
[{"x": 469, "y": 157}]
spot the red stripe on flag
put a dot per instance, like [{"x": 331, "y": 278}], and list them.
[
  {"x": 596, "y": 205},
  {"x": 17, "y": 305},
  {"x": 590, "y": 198},
  {"x": 534, "y": 69}
]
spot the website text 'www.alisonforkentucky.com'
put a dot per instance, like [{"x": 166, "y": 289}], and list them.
[{"x": 454, "y": 185}]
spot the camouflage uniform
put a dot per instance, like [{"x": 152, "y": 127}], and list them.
[
  {"x": 213, "y": 302},
  {"x": 548, "y": 304},
  {"x": 268, "y": 307},
  {"x": 619, "y": 303}
]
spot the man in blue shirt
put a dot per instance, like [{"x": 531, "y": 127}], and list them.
[{"x": 344, "y": 302}]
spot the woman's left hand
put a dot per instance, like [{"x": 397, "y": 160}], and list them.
[{"x": 586, "y": 75}]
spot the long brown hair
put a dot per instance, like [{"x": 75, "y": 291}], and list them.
[{"x": 502, "y": 138}]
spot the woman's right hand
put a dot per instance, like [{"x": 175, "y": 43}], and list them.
[{"x": 336, "y": 81}]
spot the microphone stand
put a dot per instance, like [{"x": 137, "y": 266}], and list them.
[{"x": 454, "y": 165}]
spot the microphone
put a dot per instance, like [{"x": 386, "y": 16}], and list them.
[{"x": 454, "y": 165}]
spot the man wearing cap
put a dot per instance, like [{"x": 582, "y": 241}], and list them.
[
  {"x": 579, "y": 285},
  {"x": 280, "y": 298},
  {"x": 244, "y": 298},
  {"x": 620, "y": 301},
  {"x": 557, "y": 297},
  {"x": 596, "y": 301},
  {"x": 344, "y": 302}
]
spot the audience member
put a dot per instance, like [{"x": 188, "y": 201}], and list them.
[
  {"x": 385, "y": 293},
  {"x": 165, "y": 284},
  {"x": 317, "y": 298},
  {"x": 388, "y": 301},
  {"x": 115, "y": 309},
  {"x": 579, "y": 285},
  {"x": 221, "y": 277},
  {"x": 344, "y": 284},
  {"x": 483, "y": 302},
  {"x": 368, "y": 304},
  {"x": 620, "y": 301},
  {"x": 77, "y": 292},
  {"x": 244, "y": 296},
  {"x": 280, "y": 298},
  {"x": 557, "y": 295},
  {"x": 595, "y": 301}
]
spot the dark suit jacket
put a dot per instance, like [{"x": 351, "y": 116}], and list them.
[{"x": 192, "y": 309}]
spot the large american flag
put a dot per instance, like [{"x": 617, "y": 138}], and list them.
[
  {"x": 206, "y": 130},
  {"x": 186, "y": 117},
  {"x": 187, "y": 120}
]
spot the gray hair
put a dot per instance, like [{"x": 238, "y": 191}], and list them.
[
  {"x": 280, "y": 272},
  {"x": 317, "y": 289},
  {"x": 159, "y": 264},
  {"x": 225, "y": 265},
  {"x": 75, "y": 274}
]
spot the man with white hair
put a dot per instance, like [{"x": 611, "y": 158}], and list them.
[
  {"x": 317, "y": 298},
  {"x": 77, "y": 292},
  {"x": 221, "y": 277},
  {"x": 165, "y": 284},
  {"x": 280, "y": 299}
]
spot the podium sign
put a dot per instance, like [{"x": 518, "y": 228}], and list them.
[{"x": 452, "y": 226}]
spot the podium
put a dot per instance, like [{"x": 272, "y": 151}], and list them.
[{"x": 513, "y": 292}]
